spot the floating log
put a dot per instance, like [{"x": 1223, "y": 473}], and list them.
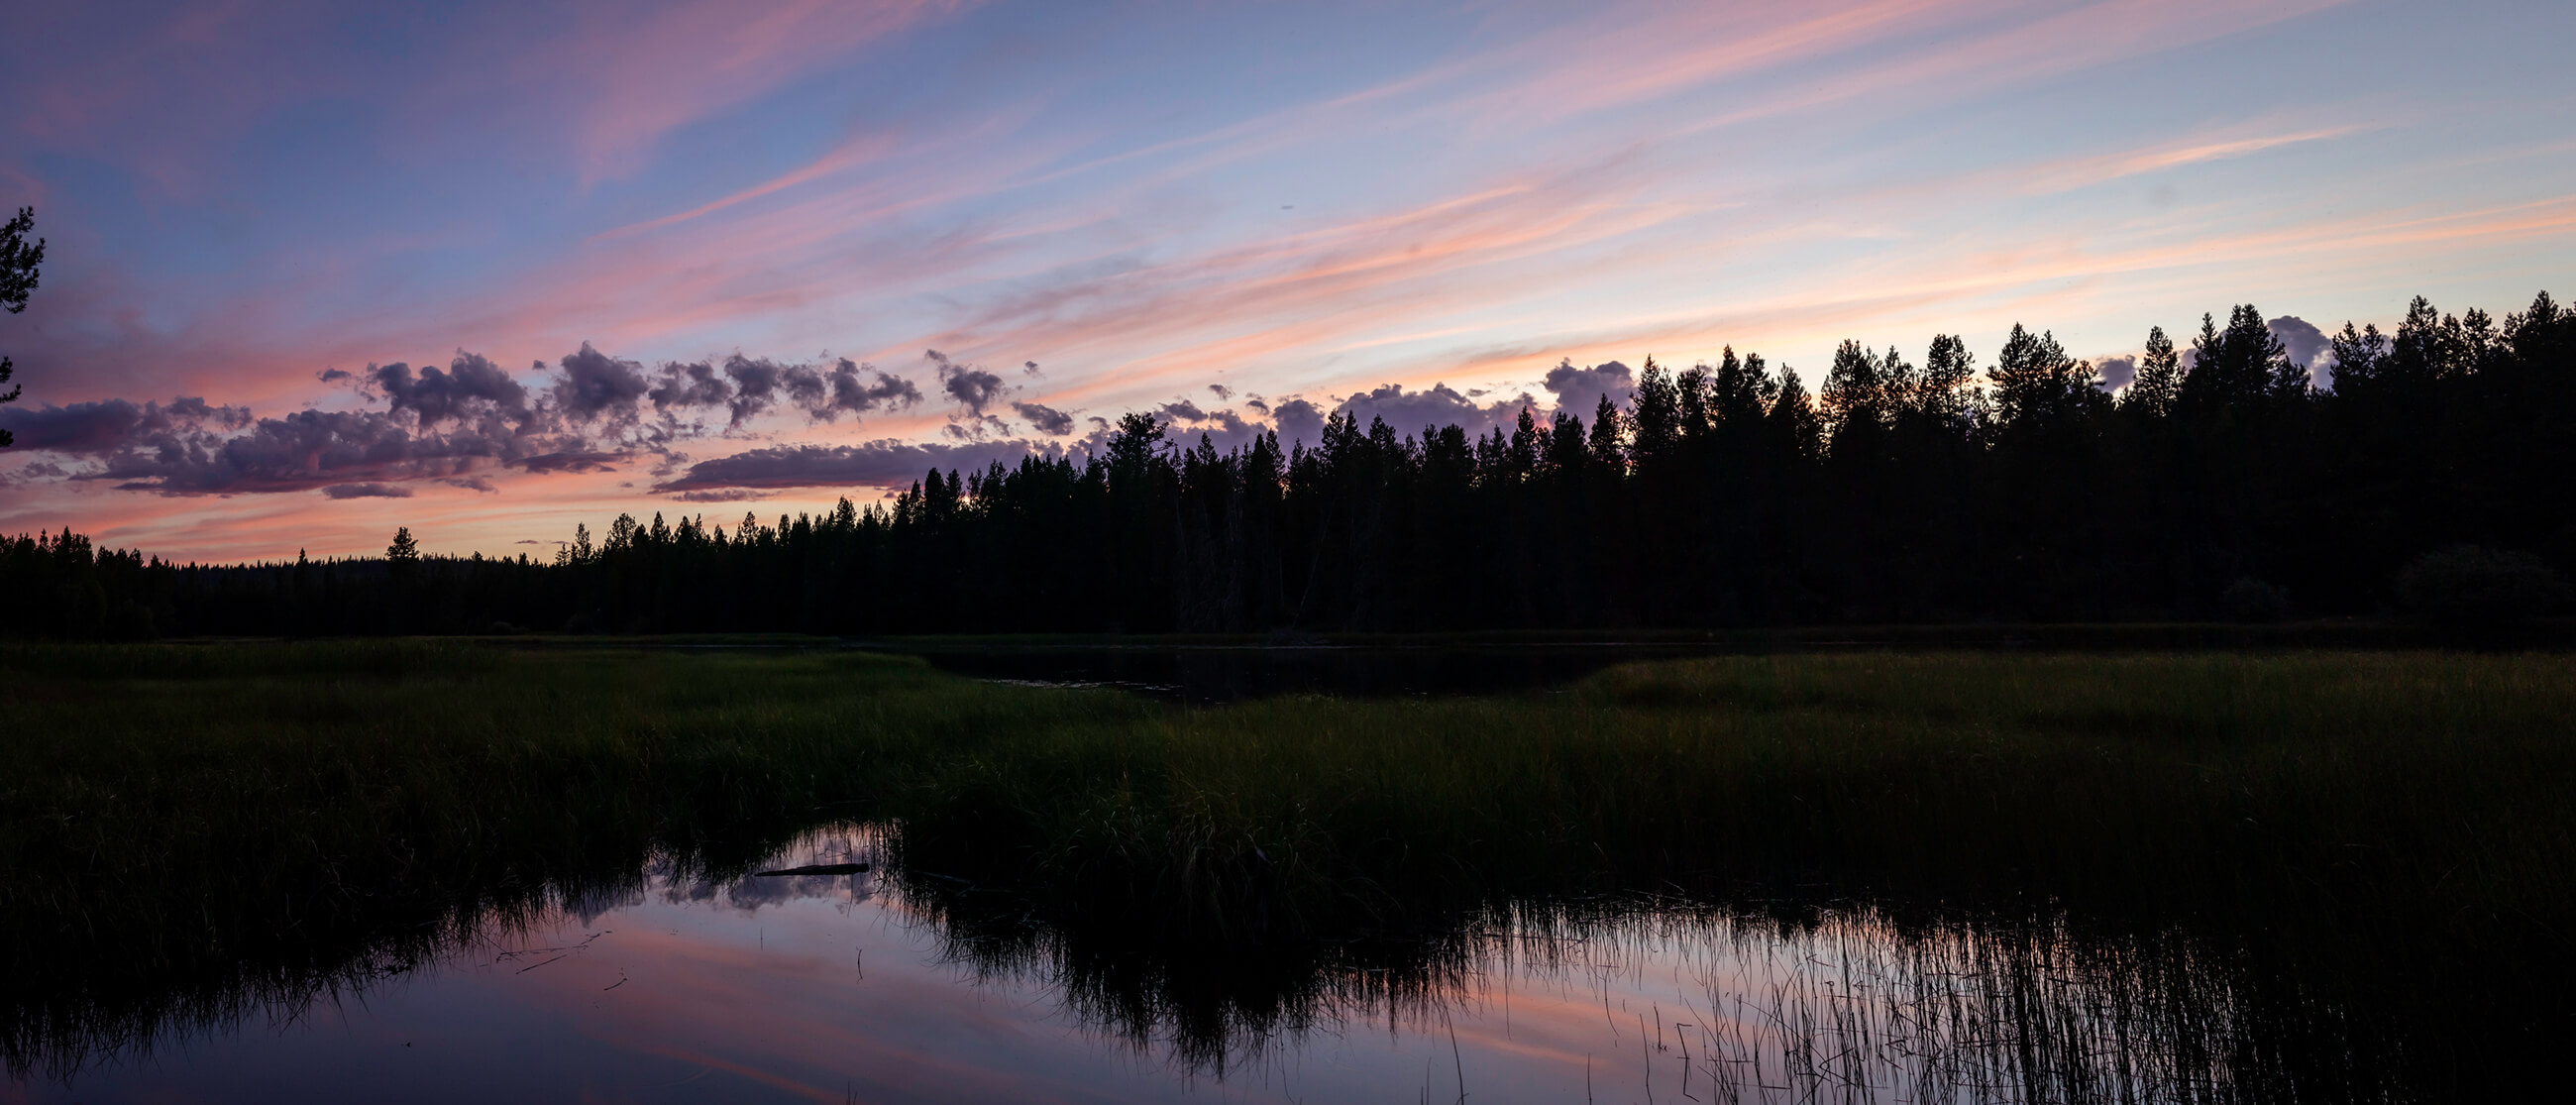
[{"x": 816, "y": 869}]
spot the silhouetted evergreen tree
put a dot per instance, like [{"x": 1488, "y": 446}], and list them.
[
  {"x": 2158, "y": 384},
  {"x": 18, "y": 271}
]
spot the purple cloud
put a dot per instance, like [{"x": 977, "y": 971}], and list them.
[
  {"x": 1409, "y": 411},
  {"x": 2307, "y": 345},
  {"x": 1579, "y": 390},
  {"x": 2304, "y": 341},
  {"x": 851, "y": 395},
  {"x": 111, "y": 424},
  {"x": 973, "y": 388},
  {"x": 882, "y": 463},
  {"x": 596, "y": 386},
  {"x": 1298, "y": 420},
  {"x": 1047, "y": 419},
  {"x": 366, "y": 491},
  {"x": 471, "y": 388}
]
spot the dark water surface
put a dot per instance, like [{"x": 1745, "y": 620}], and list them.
[
  {"x": 1226, "y": 673},
  {"x": 861, "y": 987}
]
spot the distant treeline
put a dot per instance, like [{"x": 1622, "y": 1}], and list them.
[{"x": 2221, "y": 482}]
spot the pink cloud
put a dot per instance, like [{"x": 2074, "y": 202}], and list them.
[{"x": 643, "y": 76}]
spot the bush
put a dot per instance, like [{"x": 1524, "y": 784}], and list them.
[
  {"x": 2252, "y": 600},
  {"x": 2468, "y": 585}
]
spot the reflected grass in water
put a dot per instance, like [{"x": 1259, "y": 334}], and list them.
[{"x": 1795, "y": 1004}]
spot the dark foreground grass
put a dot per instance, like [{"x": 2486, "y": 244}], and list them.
[{"x": 184, "y": 829}]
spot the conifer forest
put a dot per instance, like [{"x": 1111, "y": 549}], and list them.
[{"x": 2225, "y": 481}]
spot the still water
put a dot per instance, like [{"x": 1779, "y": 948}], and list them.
[
  {"x": 1226, "y": 673},
  {"x": 842, "y": 987}
]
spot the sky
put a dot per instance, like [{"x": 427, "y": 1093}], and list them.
[{"x": 317, "y": 270}]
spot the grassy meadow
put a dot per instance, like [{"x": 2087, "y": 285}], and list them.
[{"x": 186, "y": 828}]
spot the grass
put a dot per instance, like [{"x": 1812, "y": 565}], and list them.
[{"x": 184, "y": 827}]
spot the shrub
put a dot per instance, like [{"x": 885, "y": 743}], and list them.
[
  {"x": 2252, "y": 600},
  {"x": 2465, "y": 584}
]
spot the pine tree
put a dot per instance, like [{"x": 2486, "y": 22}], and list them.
[
  {"x": 2037, "y": 385},
  {"x": 1609, "y": 437},
  {"x": 1795, "y": 428},
  {"x": 402, "y": 570},
  {"x": 2358, "y": 358},
  {"x": 1948, "y": 392},
  {"x": 1567, "y": 454},
  {"x": 18, "y": 264},
  {"x": 2159, "y": 378},
  {"x": 1739, "y": 392},
  {"x": 2239, "y": 368},
  {"x": 1656, "y": 429},
  {"x": 1853, "y": 391},
  {"x": 1523, "y": 454},
  {"x": 1132, "y": 449}
]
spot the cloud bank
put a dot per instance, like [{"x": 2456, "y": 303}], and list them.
[
  {"x": 592, "y": 412},
  {"x": 448, "y": 424}
]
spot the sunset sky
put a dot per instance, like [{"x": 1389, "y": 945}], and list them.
[{"x": 639, "y": 240}]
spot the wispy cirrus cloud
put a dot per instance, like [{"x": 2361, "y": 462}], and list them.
[
  {"x": 645, "y": 73},
  {"x": 2100, "y": 168}
]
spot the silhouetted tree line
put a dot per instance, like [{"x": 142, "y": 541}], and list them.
[{"x": 2222, "y": 484}]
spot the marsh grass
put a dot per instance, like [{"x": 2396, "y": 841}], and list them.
[
  {"x": 2429, "y": 780},
  {"x": 187, "y": 828}
]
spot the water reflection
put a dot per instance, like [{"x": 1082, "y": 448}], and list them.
[
  {"x": 1727, "y": 1005},
  {"x": 682, "y": 983}
]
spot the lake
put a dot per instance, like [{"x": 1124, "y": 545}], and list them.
[{"x": 873, "y": 986}]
